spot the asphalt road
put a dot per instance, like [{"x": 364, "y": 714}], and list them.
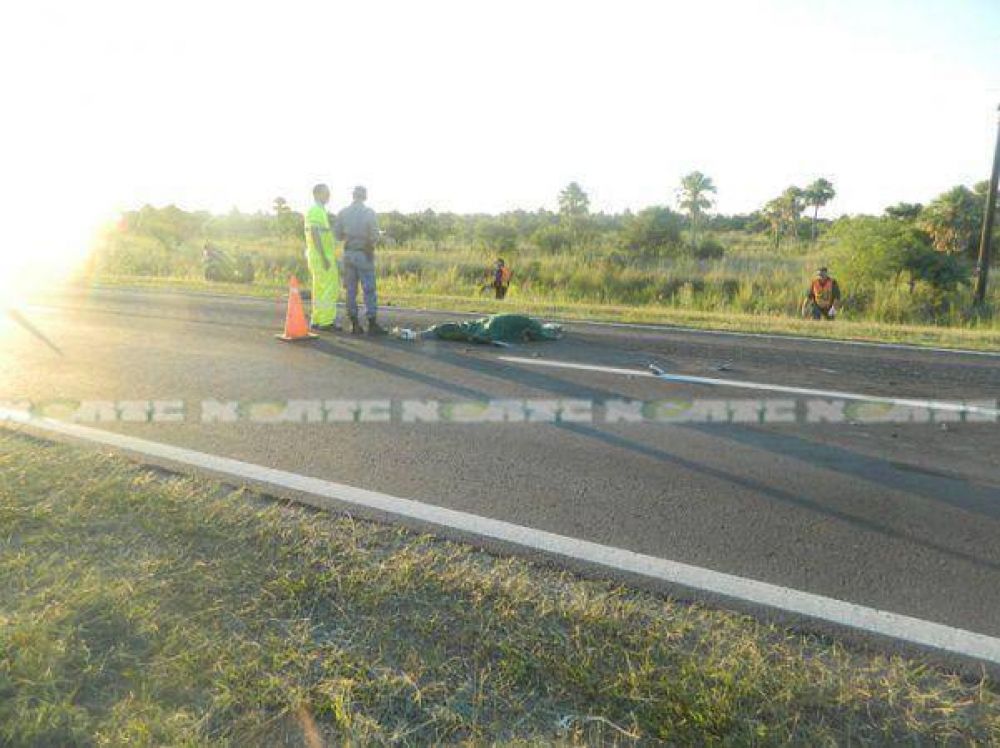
[{"x": 903, "y": 517}]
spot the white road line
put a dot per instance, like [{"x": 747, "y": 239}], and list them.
[
  {"x": 913, "y": 630},
  {"x": 775, "y": 336},
  {"x": 651, "y": 327},
  {"x": 944, "y": 405},
  {"x": 668, "y": 328}
]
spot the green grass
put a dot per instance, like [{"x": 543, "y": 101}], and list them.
[
  {"x": 752, "y": 287},
  {"x": 143, "y": 608}
]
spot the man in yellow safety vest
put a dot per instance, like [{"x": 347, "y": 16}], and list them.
[{"x": 322, "y": 262}]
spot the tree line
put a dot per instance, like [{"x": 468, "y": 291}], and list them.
[{"x": 948, "y": 225}]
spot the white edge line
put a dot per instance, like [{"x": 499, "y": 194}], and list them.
[
  {"x": 955, "y": 407},
  {"x": 776, "y": 336},
  {"x": 905, "y": 628}
]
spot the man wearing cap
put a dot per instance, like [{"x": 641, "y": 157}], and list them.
[
  {"x": 322, "y": 264},
  {"x": 357, "y": 227},
  {"x": 822, "y": 297}
]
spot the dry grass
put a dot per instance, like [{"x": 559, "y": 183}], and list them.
[{"x": 142, "y": 608}]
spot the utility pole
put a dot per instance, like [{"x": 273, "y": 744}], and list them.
[{"x": 987, "y": 237}]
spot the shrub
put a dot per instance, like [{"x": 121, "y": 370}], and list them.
[
  {"x": 497, "y": 236},
  {"x": 875, "y": 250},
  {"x": 653, "y": 232},
  {"x": 709, "y": 248},
  {"x": 552, "y": 239}
]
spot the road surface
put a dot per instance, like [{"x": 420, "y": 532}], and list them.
[{"x": 902, "y": 517}]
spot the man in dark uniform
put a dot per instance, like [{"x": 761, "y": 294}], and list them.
[{"x": 357, "y": 227}]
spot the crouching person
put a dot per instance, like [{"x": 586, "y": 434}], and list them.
[{"x": 822, "y": 297}]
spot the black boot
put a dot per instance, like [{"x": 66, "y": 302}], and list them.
[
  {"x": 355, "y": 326},
  {"x": 374, "y": 328}
]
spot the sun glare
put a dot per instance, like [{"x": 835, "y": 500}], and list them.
[{"x": 40, "y": 254}]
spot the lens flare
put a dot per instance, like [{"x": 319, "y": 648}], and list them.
[{"x": 44, "y": 251}]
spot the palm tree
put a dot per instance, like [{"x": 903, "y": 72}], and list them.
[
  {"x": 952, "y": 220},
  {"x": 774, "y": 213},
  {"x": 573, "y": 201},
  {"x": 574, "y": 207},
  {"x": 694, "y": 199},
  {"x": 791, "y": 206},
  {"x": 818, "y": 194},
  {"x": 783, "y": 213}
]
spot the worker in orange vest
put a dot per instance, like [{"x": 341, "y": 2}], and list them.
[
  {"x": 822, "y": 297},
  {"x": 501, "y": 278}
]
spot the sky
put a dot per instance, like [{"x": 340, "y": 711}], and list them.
[{"x": 487, "y": 105}]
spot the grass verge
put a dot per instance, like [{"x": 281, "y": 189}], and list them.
[
  {"x": 140, "y": 607},
  {"x": 973, "y": 338}
]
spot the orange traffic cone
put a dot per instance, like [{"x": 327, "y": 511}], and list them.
[{"x": 296, "y": 327}]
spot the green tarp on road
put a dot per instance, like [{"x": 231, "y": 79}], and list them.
[{"x": 498, "y": 328}]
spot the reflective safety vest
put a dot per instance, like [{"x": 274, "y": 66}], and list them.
[
  {"x": 317, "y": 218},
  {"x": 822, "y": 292}
]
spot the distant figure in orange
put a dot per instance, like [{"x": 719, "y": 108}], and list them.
[
  {"x": 501, "y": 278},
  {"x": 822, "y": 297}
]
